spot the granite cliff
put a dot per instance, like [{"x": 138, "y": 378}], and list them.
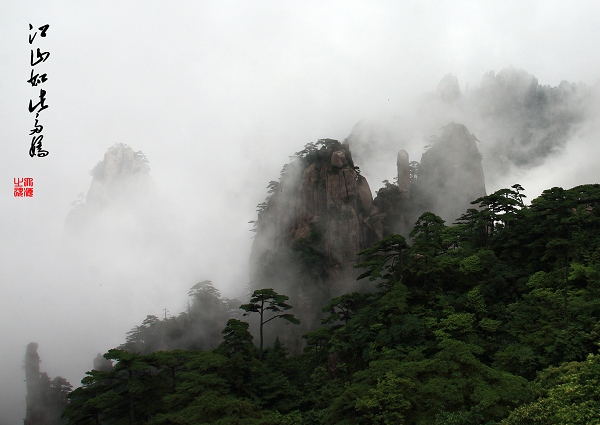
[
  {"x": 321, "y": 213},
  {"x": 321, "y": 204},
  {"x": 447, "y": 179}
]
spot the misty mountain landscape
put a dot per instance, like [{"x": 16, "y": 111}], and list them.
[
  {"x": 318, "y": 213},
  {"x": 369, "y": 308}
]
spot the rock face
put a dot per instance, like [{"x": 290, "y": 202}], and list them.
[
  {"x": 34, "y": 414},
  {"x": 394, "y": 206},
  {"x": 310, "y": 230},
  {"x": 321, "y": 214},
  {"x": 46, "y": 398},
  {"x": 448, "y": 178},
  {"x": 403, "y": 167},
  {"x": 451, "y": 175},
  {"x": 321, "y": 203},
  {"x": 118, "y": 176}
]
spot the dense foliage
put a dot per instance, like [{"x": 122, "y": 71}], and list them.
[
  {"x": 492, "y": 320},
  {"x": 198, "y": 327}
]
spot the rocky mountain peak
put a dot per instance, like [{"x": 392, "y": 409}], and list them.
[
  {"x": 119, "y": 181},
  {"x": 311, "y": 227},
  {"x": 450, "y": 174},
  {"x": 321, "y": 213},
  {"x": 321, "y": 199},
  {"x": 121, "y": 172}
]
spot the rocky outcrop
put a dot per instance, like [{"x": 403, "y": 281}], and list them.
[
  {"x": 321, "y": 203},
  {"x": 119, "y": 180},
  {"x": 321, "y": 214},
  {"x": 121, "y": 174},
  {"x": 102, "y": 364},
  {"x": 448, "y": 178},
  {"x": 33, "y": 379},
  {"x": 46, "y": 398},
  {"x": 309, "y": 231},
  {"x": 403, "y": 166},
  {"x": 450, "y": 174}
]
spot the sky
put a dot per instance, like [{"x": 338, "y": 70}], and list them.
[{"x": 218, "y": 95}]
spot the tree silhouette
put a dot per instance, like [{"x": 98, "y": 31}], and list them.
[{"x": 264, "y": 300}]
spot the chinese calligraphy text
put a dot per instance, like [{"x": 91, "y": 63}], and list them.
[{"x": 36, "y": 79}]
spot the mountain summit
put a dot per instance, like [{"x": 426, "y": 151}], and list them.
[{"x": 321, "y": 213}]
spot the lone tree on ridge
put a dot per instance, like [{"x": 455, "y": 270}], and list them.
[{"x": 264, "y": 300}]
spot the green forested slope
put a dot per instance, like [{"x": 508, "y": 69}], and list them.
[{"x": 491, "y": 320}]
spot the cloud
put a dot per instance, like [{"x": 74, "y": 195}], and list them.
[{"x": 217, "y": 96}]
